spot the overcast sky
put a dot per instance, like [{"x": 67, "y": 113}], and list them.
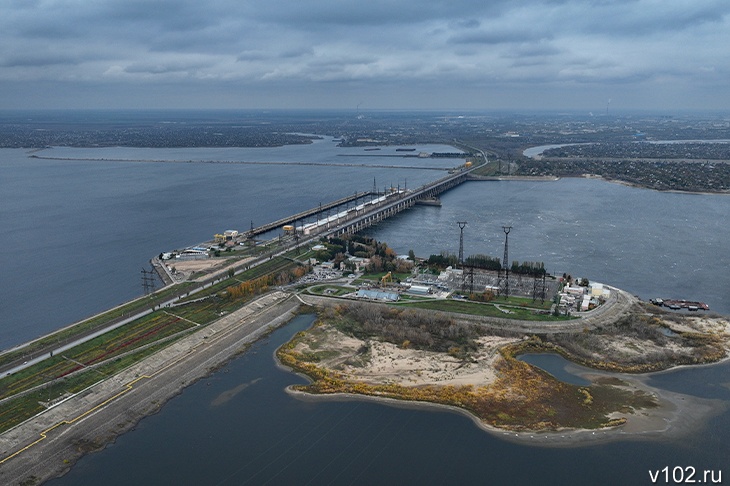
[{"x": 402, "y": 54}]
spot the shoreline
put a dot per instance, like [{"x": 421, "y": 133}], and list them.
[
  {"x": 550, "y": 178},
  {"x": 137, "y": 392},
  {"x": 49, "y": 444},
  {"x": 667, "y": 414},
  {"x": 639, "y": 186},
  {"x": 656, "y": 424}
]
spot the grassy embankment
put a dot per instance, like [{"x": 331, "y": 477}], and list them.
[
  {"x": 30, "y": 391},
  {"x": 97, "y": 322},
  {"x": 522, "y": 398},
  {"x": 488, "y": 169}
]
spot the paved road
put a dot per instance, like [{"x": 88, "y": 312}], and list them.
[
  {"x": 50, "y": 443},
  {"x": 618, "y": 305}
]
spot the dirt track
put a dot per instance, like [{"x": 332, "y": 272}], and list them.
[{"x": 48, "y": 445}]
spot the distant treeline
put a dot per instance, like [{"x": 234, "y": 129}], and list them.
[{"x": 486, "y": 262}]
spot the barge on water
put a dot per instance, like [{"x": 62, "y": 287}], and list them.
[
  {"x": 429, "y": 201},
  {"x": 675, "y": 304}
]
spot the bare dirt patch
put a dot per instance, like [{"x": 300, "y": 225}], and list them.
[
  {"x": 189, "y": 267},
  {"x": 383, "y": 352},
  {"x": 376, "y": 362}
]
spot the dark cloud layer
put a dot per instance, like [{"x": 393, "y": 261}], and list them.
[{"x": 661, "y": 54}]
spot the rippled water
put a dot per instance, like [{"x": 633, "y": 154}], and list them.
[
  {"x": 649, "y": 243},
  {"x": 76, "y": 233},
  {"x": 262, "y": 435}
]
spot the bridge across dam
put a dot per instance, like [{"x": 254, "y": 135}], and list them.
[
  {"x": 352, "y": 220},
  {"x": 380, "y": 207},
  {"x": 396, "y": 203},
  {"x": 305, "y": 214}
]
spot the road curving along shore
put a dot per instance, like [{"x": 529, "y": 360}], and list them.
[{"x": 47, "y": 445}]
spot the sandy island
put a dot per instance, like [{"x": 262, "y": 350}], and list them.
[
  {"x": 516, "y": 400},
  {"x": 50, "y": 443}
]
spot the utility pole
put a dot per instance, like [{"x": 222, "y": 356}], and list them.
[
  {"x": 250, "y": 232},
  {"x": 505, "y": 262},
  {"x": 148, "y": 281},
  {"x": 462, "y": 225}
]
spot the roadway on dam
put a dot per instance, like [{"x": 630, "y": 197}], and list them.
[{"x": 369, "y": 214}]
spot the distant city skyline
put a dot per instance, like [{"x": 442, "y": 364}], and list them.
[{"x": 595, "y": 56}]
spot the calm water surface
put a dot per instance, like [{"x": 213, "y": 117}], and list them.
[
  {"x": 77, "y": 233},
  {"x": 649, "y": 243},
  {"x": 556, "y": 365},
  {"x": 264, "y": 436}
]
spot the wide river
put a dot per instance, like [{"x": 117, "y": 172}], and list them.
[{"x": 76, "y": 234}]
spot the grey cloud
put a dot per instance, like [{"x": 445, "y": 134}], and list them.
[
  {"x": 540, "y": 49},
  {"x": 529, "y": 62},
  {"x": 252, "y": 56},
  {"x": 638, "y": 19},
  {"x": 167, "y": 15},
  {"x": 466, "y": 24},
  {"x": 145, "y": 68},
  {"x": 493, "y": 37},
  {"x": 374, "y": 12},
  {"x": 299, "y": 52},
  {"x": 36, "y": 60},
  {"x": 355, "y": 60},
  {"x": 392, "y": 48}
]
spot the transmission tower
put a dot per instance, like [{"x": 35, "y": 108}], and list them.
[
  {"x": 538, "y": 291},
  {"x": 462, "y": 225},
  {"x": 542, "y": 293},
  {"x": 250, "y": 235},
  {"x": 505, "y": 262},
  {"x": 148, "y": 281}
]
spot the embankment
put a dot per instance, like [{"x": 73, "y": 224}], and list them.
[{"x": 47, "y": 445}]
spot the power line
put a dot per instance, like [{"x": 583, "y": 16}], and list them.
[
  {"x": 149, "y": 284},
  {"x": 462, "y": 225},
  {"x": 504, "y": 283}
]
